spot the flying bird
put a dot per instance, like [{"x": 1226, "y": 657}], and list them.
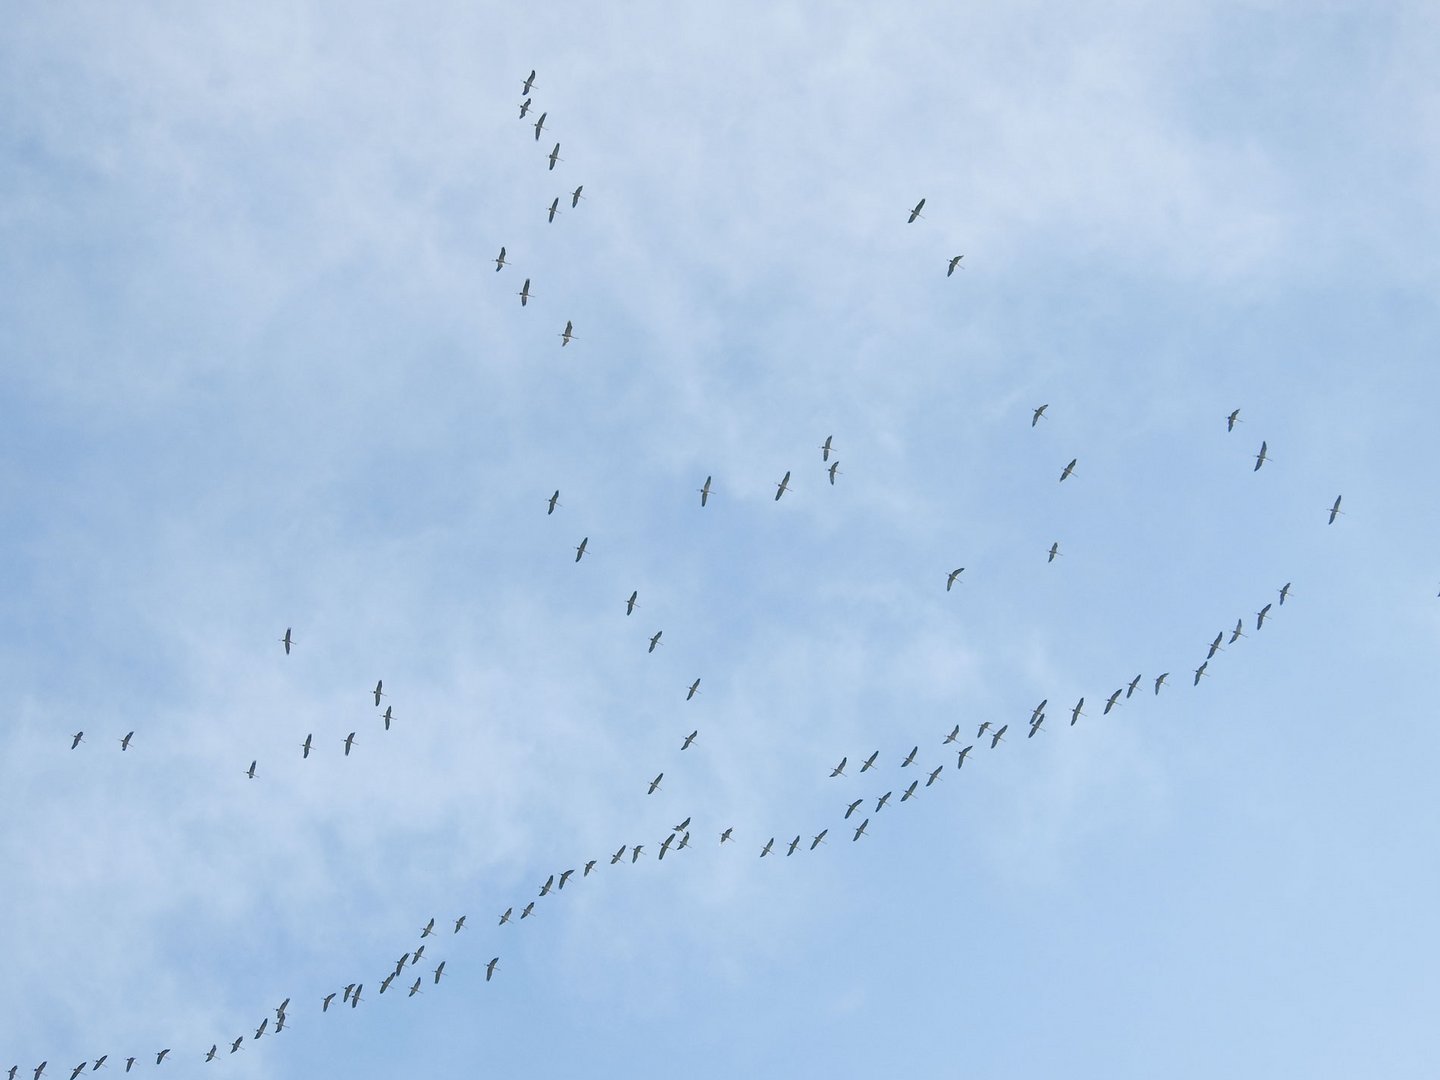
[
  {"x": 726, "y": 834},
  {"x": 1232, "y": 420},
  {"x": 954, "y": 734},
  {"x": 1200, "y": 671},
  {"x": 567, "y": 335},
  {"x": 540, "y": 125},
  {"x": 793, "y": 845},
  {"x": 984, "y": 727},
  {"x": 654, "y": 640},
  {"x": 618, "y": 855},
  {"x": 860, "y": 830},
  {"x": 500, "y": 262},
  {"x": 916, "y": 212},
  {"x": 910, "y": 791},
  {"x": 529, "y": 82},
  {"x": 826, "y": 447},
  {"x": 553, "y": 502},
  {"x": 689, "y": 739},
  {"x": 1038, "y": 413},
  {"x": 1054, "y": 550},
  {"x": 1039, "y": 709},
  {"x": 414, "y": 987},
  {"x": 575, "y": 196},
  {"x": 439, "y": 971},
  {"x": 630, "y": 604},
  {"x": 549, "y": 884},
  {"x": 554, "y": 209},
  {"x": 935, "y": 772},
  {"x": 554, "y": 157},
  {"x": 458, "y": 924},
  {"x": 999, "y": 736},
  {"x": 564, "y": 877},
  {"x": 655, "y": 784},
  {"x": 839, "y": 770},
  {"x": 1077, "y": 712},
  {"x": 960, "y": 760},
  {"x": 379, "y": 693},
  {"x": 820, "y": 839},
  {"x": 349, "y": 742},
  {"x": 1284, "y": 592},
  {"x": 77, "y": 739},
  {"x": 783, "y": 486},
  {"x": 1260, "y": 457},
  {"x": 287, "y": 641},
  {"x": 325, "y": 1005},
  {"x": 261, "y": 1029},
  {"x": 389, "y": 715},
  {"x": 588, "y": 867},
  {"x": 635, "y": 853},
  {"x": 880, "y": 802},
  {"x": 524, "y": 293},
  {"x": 125, "y": 742},
  {"x": 953, "y": 264},
  {"x": 1260, "y": 616},
  {"x": 852, "y": 807},
  {"x": 1215, "y": 645},
  {"x": 490, "y": 968},
  {"x": 1335, "y": 511},
  {"x": 580, "y": 550},
  {"x": 1034, "y": 726},
  {"x": 1238, "y": 632},
  {"x": 1111, "y": 703},
  {"x": 1068, "y": 469},
  {"x": 1131, "y": 688},
  {"x": 236, "y": 1044},
  {"x": 833, "y": 470},
  {"x": 768, "y": 845},
  {"x": 869, "y": 762},
  {"x": 529, "y": 910},
  {"x": 209, "y": 1056},
  {"x": 525, "y": 107},
  {"x": 694, "y": 689},
  {"x": 354, "y": 997},
  {"x": 910, "y": 757},
  {"x": 705, "y": 491},
  {"x": 159, "y": 1057},
  {"x": 952, "y": 577},
  {"x": 250, "y": 772},
  {"x": 1159, "y": 680},
  {"x": 506, "y": 917}
]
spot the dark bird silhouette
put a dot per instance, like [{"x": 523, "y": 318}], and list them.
[
  {"x": 287, "y": 641},
  {"x": 783, "y": 486},
  {"x": 1068, "y": 470},
  {"x": 915, "y": 213},
  {"x": 955, "y": 262},
  {"x": 1036, "y": 416}
]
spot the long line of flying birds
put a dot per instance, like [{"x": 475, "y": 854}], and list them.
[{"x": 407, "y": 971}]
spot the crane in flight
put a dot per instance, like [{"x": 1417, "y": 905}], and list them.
[
  {"x": 910, "y": 791},
  {"x": 287, "y": 641},
  {"x": 554, "y": 157},
  {"x": 500, "y": 262},
  {"x": 1068, "y": 470},
  {"x": 1038, "y": 414},
  {"x": 77, "y": 739},
  {"x": 869, "y": 762},
  {"x": 1284, "y": 592},
  {"x": 689, "y": 739},
  {"x": 915, "y": 213},
  {"x": 529, "y": 910},
  {"x": 998, "y": 736},
  {"x": 349, "y": 742},
  {"x": 588, "y": 867},
  {"x": 540, "y": 125},
  {"x": 439, "y": 971},
  {"x": 575, "y": 196},
  {"x": 935, "y": 772},
  {"x": 1238, "y": 632},
  {"x": 564, "y": 877},
  {"x": 529, "y": 82},
  {"x": 860, "y": 830},
  {"x": 852, "y": 808},
  {"x": 1131, "y": 688},
  {"x": 125, "y": 742},
  {"x": 910, "y": 757},
  {"x": 415, "y": 987},
  {"x": 694, "y": 689},
  {"x": 954, "y": 734},
  {"x": 724, "y": 836},
  {"x": 490, "y": 968},
  {"x": 389, "y": 715},
  {"x": 880, "y": 802},
  {"x": 783, "y": 486},
  {"x": 554, "y": 209},
  {"x": 953, "y": 577},
  {"x": 1335, "y": 511},
  {"x": 654, "y": 641},
  {"x": 819, "y": 839},
  {"x": 618, "y": 855},
  {"x": 1232, "y": 420},
  {"x": 826, "y": 447},
  {"x": 250, "y": 772},
  {"x": 631, "y": 603},
  {"x": 1039, "y": 709},
  {"x": 793, "y": 845},
  {"x": 549, "y": 884},
  {"x": 1260, "y": 616},
  {"x": 984, "y": 727},
  {"x": 1215, "y": 645},
  {"x": 1077, "y": 711},
  {"x": 379, "y": 691},
  {"x": 1035, "y": 725},
  {"x": 768, "y": 845},
  {"x": 1111, "y": 703},
  {"x": 839, "y": 770},
  {"x": 960, "y": 760},
  {"x": 954, "y": 264},
  {"x": 524, "y": 293},
  {"x": 580, "y": 549},
  {"x": 666, "y": 846},
  {"x": 459, "y": 923},
  {"x": 1260, "y": 457},
  {"x": 834, "y": 471},
  {"x": 1200, "y": 671},
  {"x": 552, "y": 502},
  {"x": 1054, "y": 551},
  {"x": 525, "y": 107},
  {"x": 1160, "y": 680},
  {"x": 705, "y": 491},
  {"x": 655, "y": 784},
  {"x": 568, "y": 334}
]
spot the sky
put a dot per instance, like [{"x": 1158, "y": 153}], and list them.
[{"x": 258, "y": 370}]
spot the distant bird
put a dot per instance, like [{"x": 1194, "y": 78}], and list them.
[
  {"x": 694, "y": 689},
  {"x": 1232, "y": 420},
  {"x": 414, "y": 988},
  {"x": 960, "y": 760},
  {"x": 839, "y": 770},
  {"x": 575, "y": 196},
  {"x": 568, "y": 334},
  {"x": 1260, "y": 616},
  {"x": 419, "y": 952},
  {"x": 783, "y": 486},
  {"x": 236, "y": 1044},
  {"x": 529, "y": 82},
  {"x": 1260, "y": 457},
  {"x": 819, "y": 839},
  {"x": 99, "y": 1063},
  {"x": 325, "y": 1005},
  {"x": 1284, "y": 592},
  {"x": 209, "y": 1055},
  {"x": 1238, "y": 632},
  {"x": 618, "y": 855},
  {"x": 389, "y": 715},
  {"x": 724, "y": 836},
  {"x": 880, "y": 802},
  {"x": 428, "y": 930},
  {"x": 1200, "y": 671},
  {"x": 1035, "y": 725},
  {"x": 768, "y": 845},
  {"x": 439, "y": 971},
  {"x": 506, "y": 917},
  {"x": 654, "y": 640},
  {"x": 910, "y": 791},
  {"x": 655, "y": 784},
  {"x": 1131, "y": 688},
  {"x": 689, "y": 739},
  {"x": 852, "y": 807},
  {"x": 580, "y": 549},
  {"x": 250, "y": 772},
  {"x": 490, "y": 968},
  {"x": 552, "y": 502},
  {"x": 635, "y": 853},
  {"x": 554, "y": 209},
  {"x": 910, "y": 757},
  {"x": 1068, "y": 469},
  {"x": 869, "y": 762},
  {"x": 261, "y": 1029},
  {"x": 500, "y": 262},
  {"x": 1039, "y": 709},
  {"x": 935, "y": 772},
  {"x": 1335, "y": 511},
  {"x": 529, "y": 910},
  {"x": 379, "y": 692},
  {"x": 354, "y": 997},
  {"x": 540, "y": 125},
  {"x": 999, "y": 736},
  {"x": 1111, "y": 703},
  {"x": 125, "y": 742},
  {"x": 588, "y": 867},
  {"x": 525, "y": 107},
  {"x": 984, "y": 727},
  {"x": 705, "y": 491},
  {"x": 78, "y": 1069},
  {"x": 460, "y": 922},
  {"x": 524, "y": 293},
  {"x": 1077, "y": 711},
  {"x": 549, "y": 884},
  {"x": 793, "y": 845},
  {"x": 953, "y": 577},
  {"x": 954, "y": 734},
  {"x": 953, "y": 264},
  {"x": 860, "y": 830},
  {"x": 1215, "y": 645},
  {"x": 280, "y": 1009},
  {"x": 1036, "y": 416},
  {"x": 287, "y": 641},
  {"x": 554, "y": 157},
  {"x": 1054, "y": 550},
  {"x": 349, "y": 742},
  {"x": 564, "y": 877},
  {"x": 77, "y": 739},
  {"x": 916, "y": 212},
  {"x": 161, "y": 1055},
  {"x": 630, "y": 604},
  {"x": 833, "y": 470},
  {"x": 1159, "y": 680}
]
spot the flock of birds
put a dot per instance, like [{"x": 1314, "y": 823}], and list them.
[{"x": 407, "y": 970}]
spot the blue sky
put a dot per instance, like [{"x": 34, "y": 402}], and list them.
[{"x": 259, "y": 371}]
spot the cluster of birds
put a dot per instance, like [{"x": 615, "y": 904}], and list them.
[
  {"x": 407, "y": 970},
  {"x": 502, "y": 260}
]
